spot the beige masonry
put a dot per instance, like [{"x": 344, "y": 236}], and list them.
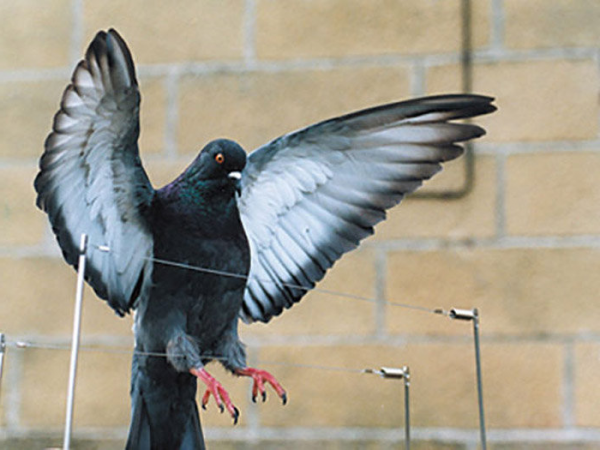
[{"x": 522, "y": 246}]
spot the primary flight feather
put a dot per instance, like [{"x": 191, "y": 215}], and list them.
[{"x": 275, "y": 221}]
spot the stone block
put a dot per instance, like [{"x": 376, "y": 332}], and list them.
[
  {"x": 254, "y": 108},
  {"x": 587, "y": 397},
  {"x": 443, "y": 389},
  {"x": 160, "y": 33},
  {"x": 29, "y": 107},
  {"x": 339, "y": 28},
  {"x": 39, "y": 294},
  {"x": 471, "y": 216},
  {"x": 35, "y": 34},
  {"x": 518, "y": 291},
  {"x": 533, "y": 109},
  {"x": 554, "y": 23},
  {"x": 552, "y": 194},
  {"x": 20, "y": 221},
  {"x": 330, "y": 310}
]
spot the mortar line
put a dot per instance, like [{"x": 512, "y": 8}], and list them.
[
  {"x": 380, "y": 292},
  {"x": 539, "y": 147},
  {"x": 418, "y": 82},
  {"x": 249, "y": 31},
  {"x": 77, "y": 32},
  {"x": 500, "y": 222},
  {"x": 568, "y": 386},
  {"x": 551, "y": 242},
  {"x": 291, "y": 65},
  {"x": 256, "y": 343},
  {"x": 346, "y": 434},
  {"x": 497, "y": 21},
  {"x": 447, "y": 435},
  {"x": 11, "y": 389},
  {"x": 492, "y": 243},
  {"x": 253, "y": 413},
  {"x": 597, "y": 60},
  {"x": 483, "y": 148},
  {"x": 171, "y": 120}
]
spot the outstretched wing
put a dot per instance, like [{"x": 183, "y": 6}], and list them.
[
  {"x": 91, "y": 179},
  {"x": 313, "y": 195}
]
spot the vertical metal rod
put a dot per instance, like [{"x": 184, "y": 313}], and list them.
[
  {"x": 473, "y": 314},
  {"x": 2, "y": 351},
  {"x": 479, "y": 378},
  {"x": 406, "y": 407},
  {"x": 75, "y": 342},
  {"x": 404, "y": 374}
]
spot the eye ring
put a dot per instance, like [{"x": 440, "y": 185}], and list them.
[{"x": 220, "y": 158}]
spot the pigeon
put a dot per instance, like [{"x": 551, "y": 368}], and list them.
[{"x": 234, "y": 237}]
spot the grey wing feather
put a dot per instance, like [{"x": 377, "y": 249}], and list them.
[
  {"x": 311, "y": 196},
  {"x": 91, "y": 179}
]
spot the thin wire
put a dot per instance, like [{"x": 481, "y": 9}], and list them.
[
  {"x": 312, "y": 366},
  {"x": 99, "y": 349},
  {"x": 122, "y": 350},
  {"x": 105, "y": 249}
]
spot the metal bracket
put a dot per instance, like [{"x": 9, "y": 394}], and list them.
[
  {"x": 391, "y": 372},
  {"x": 463, "y": 314},
  {"x": 396, "y": 373}
]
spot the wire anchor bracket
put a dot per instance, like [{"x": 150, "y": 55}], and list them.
[
  {"x": 473, "y": 315},
  {"x": 396, "y": 373}
]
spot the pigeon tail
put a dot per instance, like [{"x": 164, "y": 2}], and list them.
[{"x": 151, "y": 397}]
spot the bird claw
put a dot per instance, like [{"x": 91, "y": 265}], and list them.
[
  {"x": 263, "y": 394},
  {"x": 260, "y": 377},
  {"x": 216, "y": 389}
]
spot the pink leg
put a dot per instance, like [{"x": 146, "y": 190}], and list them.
[
  {"x": 260, "y": 377},
  {"x": 218, "y": 392}
]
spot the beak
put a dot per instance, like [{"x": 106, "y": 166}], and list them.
[
  {"x": 235, "y": 175},
  {"x": 236, "y": 178}
]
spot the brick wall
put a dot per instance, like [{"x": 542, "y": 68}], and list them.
[{"x": 523, "y": 246}]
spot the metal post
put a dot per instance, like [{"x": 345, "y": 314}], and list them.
[
  {"x": 2, "y": 351},
  {"x": 404, "y": 374},
  {"x": 462, "y": 314},
  {"x": 75, "y": 342},
  {"x": 479, "y": 378},
  {"x": 406, "y": 407}
]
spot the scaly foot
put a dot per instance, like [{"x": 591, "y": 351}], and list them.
[
  {"x": 218, "y": 392},
  {"x": 260, "y": 377}
]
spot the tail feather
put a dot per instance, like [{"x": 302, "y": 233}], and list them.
[{"x": 164, "y": 413}]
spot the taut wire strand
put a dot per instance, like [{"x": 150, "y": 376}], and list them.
[
  {"x": 23, "y": 345},
  {"x": 438, "y": 311}
]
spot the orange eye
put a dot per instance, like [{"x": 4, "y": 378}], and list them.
[{"x": 219, "y": 158}]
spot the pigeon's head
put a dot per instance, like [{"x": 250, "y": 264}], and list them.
[{"x": 220, "y": 160}]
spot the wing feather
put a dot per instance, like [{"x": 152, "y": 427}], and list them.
[
  {"x": 312, "y": 195},
  {"x": 91, "y": 179}
]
